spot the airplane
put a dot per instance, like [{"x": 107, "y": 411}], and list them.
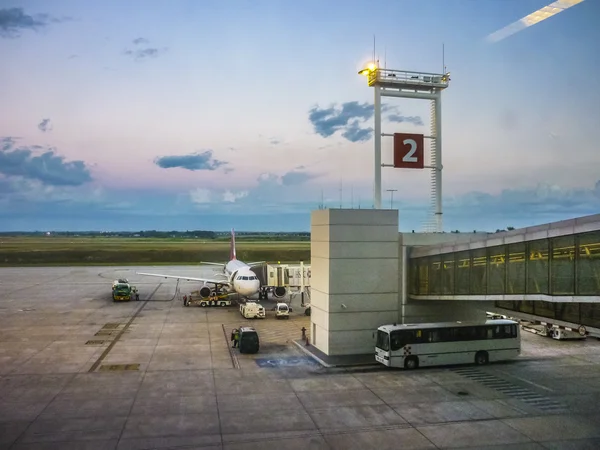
[{"x": 237, "y": 276}]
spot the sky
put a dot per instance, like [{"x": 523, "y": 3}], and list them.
[{"x": 250, "y": 114}]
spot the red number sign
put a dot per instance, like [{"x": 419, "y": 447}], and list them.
[{"x": 408, "y": 151}]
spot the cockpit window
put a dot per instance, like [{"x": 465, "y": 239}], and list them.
[{"x": 240, "y": 277}]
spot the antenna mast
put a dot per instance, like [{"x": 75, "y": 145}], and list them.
[
  {"x": 443, "y": 60},
  {"x": 373, "y": 48}
]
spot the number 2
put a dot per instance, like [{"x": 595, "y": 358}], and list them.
[{"x": 413, "y": 148}]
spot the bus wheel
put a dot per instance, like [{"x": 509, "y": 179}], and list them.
[
  {"x": 412, "y": 362},
  {"x": 481, "y": 358}
]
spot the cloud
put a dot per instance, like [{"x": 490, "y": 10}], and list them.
[
  {"x": 416, "y": 120},
  {"x": 267, "y": 178},
  {"x": 231, "y": 197},
  {"x": 194, "y": 161},
  {"x": 14, "y": 20},
  {"x": 48, "y": 167},
  {"x": 349, "y": 117},
  {"x": 45, "y": 125},
  {"x": 291, "y": 178},
  {"x": 520, "y": 207},
  {"x": 354, "y": 133},
  {"x": 144, "y": 53},
  {"x": 329, "y": 120},
  {"x": 200, "y": 196}
]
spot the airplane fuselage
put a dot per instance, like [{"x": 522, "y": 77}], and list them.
[{"x": 243, "y": 280}]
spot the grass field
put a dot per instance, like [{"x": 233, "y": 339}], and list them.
[{"x": 50, "y": 250}]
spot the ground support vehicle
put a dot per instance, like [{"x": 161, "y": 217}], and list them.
[
  {"x": 122, "y": 290},
  {"x": 249, "y": 342},
  {"x": 195, "y": 299},
  {"x": 307, "y": 309},
  {"x": 445, "y": 343},
  {"x": 252, "y": 310}
]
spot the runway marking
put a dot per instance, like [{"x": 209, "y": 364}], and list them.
[{"x": 116, "y": 339}]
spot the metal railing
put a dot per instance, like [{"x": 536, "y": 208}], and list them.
[{"x": 407, "y": 77}]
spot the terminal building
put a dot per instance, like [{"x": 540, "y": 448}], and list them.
[{"x": 366, "y": 274}]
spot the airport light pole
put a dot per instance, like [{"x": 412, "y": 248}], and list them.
[{"x": 391, "y": 191}]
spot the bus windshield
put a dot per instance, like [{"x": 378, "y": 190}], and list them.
[{"x": 383, "y": 340}]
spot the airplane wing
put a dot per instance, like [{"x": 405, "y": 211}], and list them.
[
  {"x": 222, "y": 282},
  {"x": 212, "y": 263},
  {"x": 256, "y": 263}
]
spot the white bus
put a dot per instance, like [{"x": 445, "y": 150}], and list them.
[{"x": 436, "y": 344}]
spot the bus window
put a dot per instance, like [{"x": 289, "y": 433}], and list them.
[
  {"x": 505, "y": 331},
  {"x": 401, "y": 338},
  {"x": 433, "y": 336},
  {"x": 462, "y": 334}
]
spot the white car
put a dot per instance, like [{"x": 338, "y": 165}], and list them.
[{"x": 282, "y": 311}]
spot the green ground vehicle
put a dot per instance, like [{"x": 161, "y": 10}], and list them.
[
  {"x": 249, "y": 342},
  {"x": 122, "y": 290}
]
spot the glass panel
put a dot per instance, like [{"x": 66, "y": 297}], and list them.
[
  {"x": 568, "y": 312},
  {"x": 544, "y": 309},
  {"x": 526, "y": 306},
  {"x": 448, "y": 274},
  {"x": 435, "y": 275},
  {"x": 590, "y": 314},
  {"x": 506, "y": 305},
  {"x": 413, "y": 276},
  {"x": 537, "y": 267},
  {"x": 383, "y": 340},
  {"x": 588, "y": 265},
  {"x": 423, "y": 276},
  {"x": 497, "y": 269},
  {"x": 463, "y": 272},
  {"x": 562, "y": 269},
  {"x": 516, "y": 269},
  {"x": 478, "y": 271},
  {"x": 399, "y": 339}
]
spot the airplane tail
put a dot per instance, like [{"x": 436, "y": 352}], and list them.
[{"x": 232, "y": 247}]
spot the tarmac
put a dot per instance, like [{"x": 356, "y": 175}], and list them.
[{"x": 79, "y": 371}]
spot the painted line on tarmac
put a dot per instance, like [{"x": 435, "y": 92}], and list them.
[
  {"x": 525, "y": 380},
  {"x": 116, "y": 339},
  {"x": 234, "y": 360}
]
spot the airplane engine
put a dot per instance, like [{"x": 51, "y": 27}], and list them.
[
  {"x": 205, "y": 291},
  {"x": 279, "y": 291}
]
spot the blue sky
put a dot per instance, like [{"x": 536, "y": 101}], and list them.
[{"x": 211, "y": 115}]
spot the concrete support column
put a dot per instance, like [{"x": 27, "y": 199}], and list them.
[{"x": 354, "y": 284}]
